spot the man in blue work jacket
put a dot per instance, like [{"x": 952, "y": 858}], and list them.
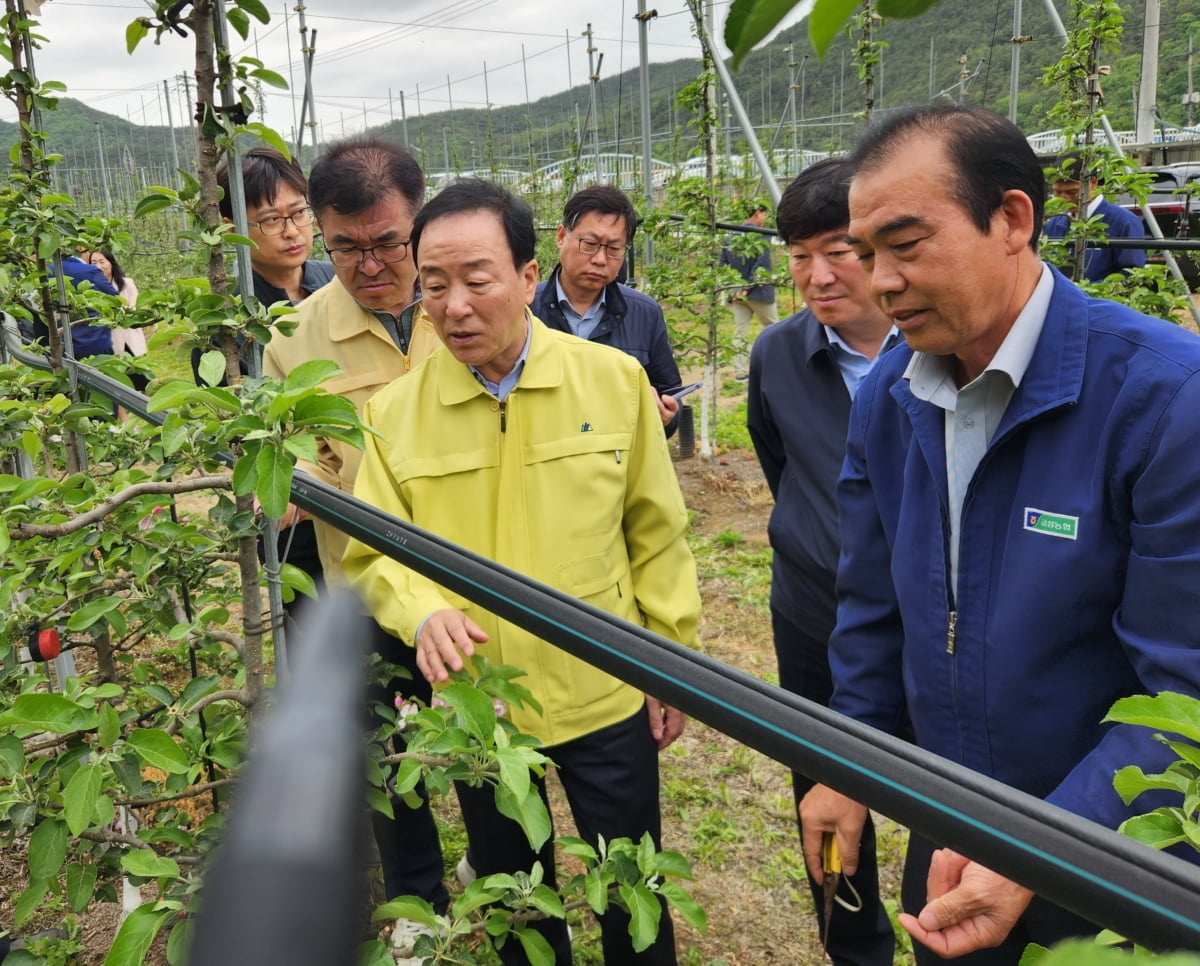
[{"x": 1020, "y": 536}]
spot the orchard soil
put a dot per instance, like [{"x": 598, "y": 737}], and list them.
[{"x": 726, "y": 808}]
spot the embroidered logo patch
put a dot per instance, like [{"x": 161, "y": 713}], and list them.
[
  {"x": 585, "y": 428},
  {"x": 1053, "y": 524}
]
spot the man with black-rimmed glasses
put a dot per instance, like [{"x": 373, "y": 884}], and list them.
[
  {"x": 582, "y": 295},
  {"x": 369, "y": 320}
]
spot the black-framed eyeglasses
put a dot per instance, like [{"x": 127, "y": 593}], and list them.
[
  {"x": 274, "y": 225},
  {"x": 384, "y": 253},
  {"x": 589, "y": 246}
]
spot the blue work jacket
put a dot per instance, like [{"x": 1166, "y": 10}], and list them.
[{"x": 1079, "y": 566}]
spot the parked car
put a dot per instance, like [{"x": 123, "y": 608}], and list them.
[{"x": 1177, "y": 213}]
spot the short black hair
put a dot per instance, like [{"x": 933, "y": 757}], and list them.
[
  {"x": 816, "y": 201},
  {"x": 263, "y": 171},
  {"x": 605, "y": 199},
  {"x": 988, "y": 153},
  {"x": 475, "y": 194},
  {"x": 354, "y": 174}
]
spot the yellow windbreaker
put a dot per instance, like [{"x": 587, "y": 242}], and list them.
[{"x": 568, "y": 481}]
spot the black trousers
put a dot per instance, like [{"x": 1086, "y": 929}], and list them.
[
  {"x": 611, "y": 780},
  {"x": 1043, "y": 922},
  {"x": 863, "y": 938},
  {"x": 410, "y": 851}
]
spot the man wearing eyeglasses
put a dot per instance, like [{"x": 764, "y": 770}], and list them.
[
  {"x": 582, "y": 295},
  {"x": 369, "y": 320}
]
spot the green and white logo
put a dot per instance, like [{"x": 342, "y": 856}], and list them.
[{"x": 1054, "y": 524}]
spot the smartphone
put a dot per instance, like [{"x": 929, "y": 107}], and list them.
[{"x": 682, "y": 391}]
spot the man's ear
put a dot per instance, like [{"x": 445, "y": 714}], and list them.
[{"x": 1016, "y": 210}]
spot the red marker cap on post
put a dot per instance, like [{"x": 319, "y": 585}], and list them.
[{"x": 44, "y": 645}]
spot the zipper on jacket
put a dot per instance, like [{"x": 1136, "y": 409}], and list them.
[
  {"x": 503, "y": 415},
  {"x": 950, "y": 632}
]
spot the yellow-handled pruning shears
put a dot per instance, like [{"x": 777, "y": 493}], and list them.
[{"x": 831, "y": 866}]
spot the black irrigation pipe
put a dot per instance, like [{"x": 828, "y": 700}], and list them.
[{"x": 1147, "y": 896}]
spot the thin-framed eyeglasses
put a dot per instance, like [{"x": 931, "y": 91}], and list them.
[
  {"x": 385, "y": 253},
  {"x": 589, "y": 246},
  {"x": 274, "y": 225}
]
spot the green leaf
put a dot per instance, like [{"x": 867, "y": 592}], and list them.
[
  {"x": 212, "y": 367},
  {"x": 81, "y": 884},
  {"x": 407, "y": 775},
  {"x": 685, "y": 905},
  {"x": 29, "y": 902},
  {"x": 256, "y": 9},
  {"x": 170, "y": 395},
  {"x": 245, "y": 470},
  {"x": 48, "y": 712},
  {"x": 1131, "y": 781},
  {"x": 530, "y": 813},
  {"x": 175, "y": 433},
  {"x": 547, "y": 901},
  {"x": 238, "y": 21},
  {"x": 514, "y": 772},
  {"x": 826, "y": 21},
  {"x": 136, "y": 935},
  {"x": 48, "y": 244},
  {"x": 134, "y": 33},
  {"x": 148, "y": 864},
  {"x": 311, "y": 374},
  {"x": 1186, "y": 752},
  {"x": 537, "y": 949},
  {"x": 269, "y": 77},
  {"x": 79, "y": 797},
  {"x": 274, "y": 487},
  {"x": 47, "y": 849},
  {"x": 1160, "y": 829},
  {"x": 156, "y": 748},
  {"x": 323, "y": 409},
  {"x": 12, "y": 756},
  {"x": 1167, "y": 711},
  {"x": 595, "y": 889},
  {"x": 180, "y": 940},
  {"x": 407, "y": 907},
  {"x": 93, "y": 611},
  {"x": 152, "y": 203},
  {"x": 474, "y": 708},
  {"x": 270, "y": 136},
  {"x": 749, "y": 21},
  {"x": 644, "y": 913}
]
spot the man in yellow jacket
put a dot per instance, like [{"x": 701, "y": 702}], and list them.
[
  {"x": 545, "y": 453},
  {"x": 369, "y": 320}
]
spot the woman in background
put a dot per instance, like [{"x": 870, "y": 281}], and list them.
[{"x": 131, "y": 341}]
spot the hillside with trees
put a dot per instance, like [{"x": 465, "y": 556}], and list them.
[{"x": 961, "y": 49}]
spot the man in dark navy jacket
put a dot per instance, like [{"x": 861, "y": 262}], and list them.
[
  {"x": 582, "y": 295},
  {"x": 86, "y": 339},
  {"x": 803, "y": 374}
]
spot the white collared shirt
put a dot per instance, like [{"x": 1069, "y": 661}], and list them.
[{"x": 973, "y": 412}]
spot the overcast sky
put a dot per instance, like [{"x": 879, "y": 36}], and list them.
[{"x": 365, "y": 49}]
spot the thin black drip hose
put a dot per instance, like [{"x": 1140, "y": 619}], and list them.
[{"x": 1115, "y": 882}]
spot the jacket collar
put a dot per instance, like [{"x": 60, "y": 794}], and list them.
[
  {"x": 614, "y": 299},
  {"x": 348, "y": 319},
  {"x": 1054, "y": 377},
  {"x": 543, "y": 367}
]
